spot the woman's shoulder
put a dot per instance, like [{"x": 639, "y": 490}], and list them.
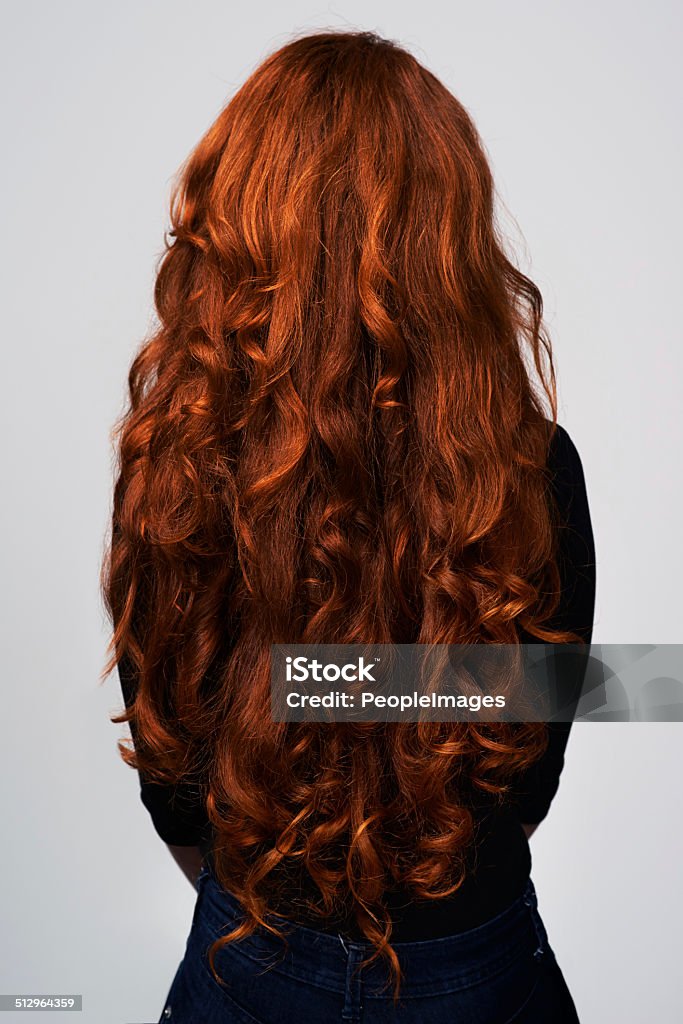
[
  {"x": 576, "y": 543},
  {"x": 569, "y": 486},
  {"x": 563, "y": 454},
  {"x": 566, "y": 468}
]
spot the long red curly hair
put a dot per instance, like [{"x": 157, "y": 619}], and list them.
[{"x": 337, "y": 433}]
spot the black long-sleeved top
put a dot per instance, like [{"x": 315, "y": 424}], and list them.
[{"x": 501, "y": 859}]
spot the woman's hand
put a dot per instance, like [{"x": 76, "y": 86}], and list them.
[{"x": 189, "y": 859}]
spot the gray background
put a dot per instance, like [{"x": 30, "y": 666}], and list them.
[{"x": 578, "y": 105}]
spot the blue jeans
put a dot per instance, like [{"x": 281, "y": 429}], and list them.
[{"x": 501, "y": 972}]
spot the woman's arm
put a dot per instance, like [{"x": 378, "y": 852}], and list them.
[
  {"x": 537, "y": 788},
  {"x": 177, "y": 812}
]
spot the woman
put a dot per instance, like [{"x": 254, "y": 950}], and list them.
[{"x": 343, "y": 431}]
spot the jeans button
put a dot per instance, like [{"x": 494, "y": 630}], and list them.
[{"x": 167, "y": 1011}]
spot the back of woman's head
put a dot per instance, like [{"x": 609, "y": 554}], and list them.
[{"x": 333, "y": 436}]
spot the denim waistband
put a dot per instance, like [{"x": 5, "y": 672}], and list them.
[{"x": 430, "y": 966}]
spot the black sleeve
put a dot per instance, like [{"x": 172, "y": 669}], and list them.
[
  {"x": 538, "y": 786},
  {"x": 177, "y": 812}
]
